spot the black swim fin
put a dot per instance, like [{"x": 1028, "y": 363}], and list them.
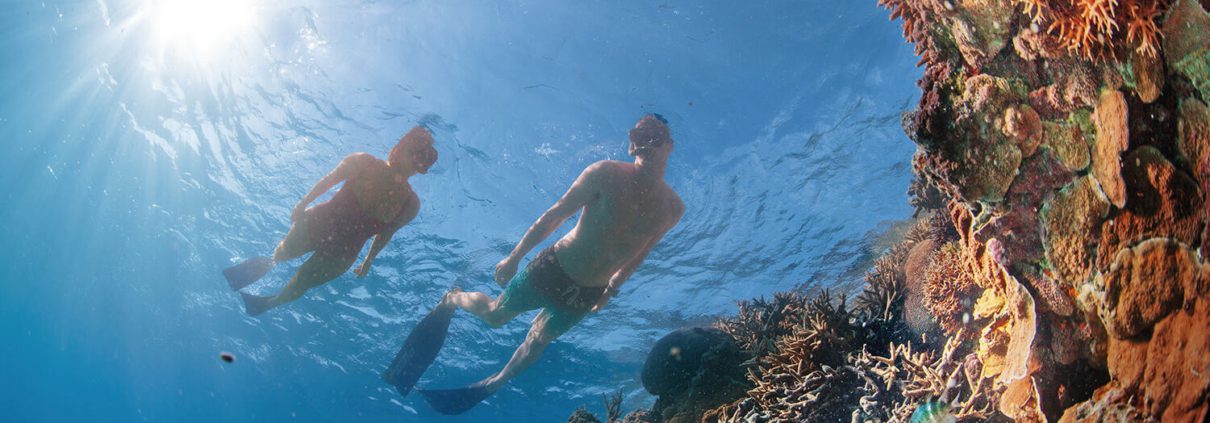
[
  {"x": 419, "y": 349},
  {"x": 244, "y": 274},
  {"x": 255, "y": 304},
  {"x": 455, "y": 401}
]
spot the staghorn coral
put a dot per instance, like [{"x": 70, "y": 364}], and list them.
[
  {"x": 639, "y": 416},
  {"x": 803, "y": 379},
  {"x": 613, "y": 406},
  {"x": 884, "y": 294},
  {"x": 760, "y": 322},
  {"x": 613, "y": 412},
  {"x": 896, "y": 384}
]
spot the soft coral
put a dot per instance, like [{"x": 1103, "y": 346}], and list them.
[{"x": 1092, "y": 28}]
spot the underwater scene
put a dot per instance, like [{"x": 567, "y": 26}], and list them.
[{"x": 605, "y": 211}]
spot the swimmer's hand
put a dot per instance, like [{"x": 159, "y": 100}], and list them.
[
  {"x": 505, "y": 271},
  {"x": 296, "y": 215},
  {"x": 362, "y": 270},
  {"x": 610, "y": 291}
]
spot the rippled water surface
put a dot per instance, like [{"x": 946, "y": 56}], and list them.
[{"x": 149, "y": 144}]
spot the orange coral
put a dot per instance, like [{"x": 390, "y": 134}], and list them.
[
  {"x": 1091, "y": 28},
  {"x": 916, "y": 17},
  {"x": 1141, "y": 29}
]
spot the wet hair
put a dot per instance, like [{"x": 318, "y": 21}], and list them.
[
  {"x": 417, "y": 140},
  {"x": 661, "y": 133}
]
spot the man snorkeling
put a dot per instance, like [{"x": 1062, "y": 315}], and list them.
[
  {"x": 375, "y": 201},
  {"x": 625, "y": 209}
]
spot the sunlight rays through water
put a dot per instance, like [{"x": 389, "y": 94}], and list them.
[{"x": 157, "y": 142}]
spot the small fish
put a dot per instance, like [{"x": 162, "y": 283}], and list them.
[
  {"x": 226, "y": 356},
  {"x": 933, "y": 412}
]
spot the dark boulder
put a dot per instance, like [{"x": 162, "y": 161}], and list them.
[{"x": 693, "y": 370}]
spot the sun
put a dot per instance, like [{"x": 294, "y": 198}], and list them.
[{"x": 199, "y": 28}]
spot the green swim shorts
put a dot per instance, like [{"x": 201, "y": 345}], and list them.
[{"x": 543, "y": 284}]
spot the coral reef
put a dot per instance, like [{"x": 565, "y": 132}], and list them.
[
  {"x": 947, "y": 283},
  {"x": 1095, "y": 29},
  {"x": 1057, "y": 269},
  {"x": 1076, "y": 166},
  {"x": 582, "y": 415}
]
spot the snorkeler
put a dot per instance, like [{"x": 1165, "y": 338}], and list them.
[
  {"x": 375, "y": 201},
  {"x": 627, "y": 208}
]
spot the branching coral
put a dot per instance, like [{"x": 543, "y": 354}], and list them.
[
  {"x": 613, "y": 406},
  {"x": 895, "y": 385},
  {"x": 761, "y": 322},
  {"x": 949, "y": 287},
  {"x": 803, "y": 379},
  {"x": 883, "y": 297},
  {"x": 1092, "y": 28}
]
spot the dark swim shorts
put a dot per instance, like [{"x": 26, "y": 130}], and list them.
[{"x": 543, "y": 284}]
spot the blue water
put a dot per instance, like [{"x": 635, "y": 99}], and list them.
[{"x": 137, "y": 163}]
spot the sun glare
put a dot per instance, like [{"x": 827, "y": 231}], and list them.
[{"x": 200, "y": 27}]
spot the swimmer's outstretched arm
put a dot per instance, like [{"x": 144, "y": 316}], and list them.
[
  {"x": 343, "y": 171},
  {"x": 383, "y": 238},
  {"x": 577, "y": 196}
]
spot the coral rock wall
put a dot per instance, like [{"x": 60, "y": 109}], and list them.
[{"x": 1072, "y": 141}]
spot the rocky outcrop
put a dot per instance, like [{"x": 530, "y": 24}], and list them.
[{"x": 693, "y": 370}]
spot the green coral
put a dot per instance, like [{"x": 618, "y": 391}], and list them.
[{"x": 1196, "y": 67}]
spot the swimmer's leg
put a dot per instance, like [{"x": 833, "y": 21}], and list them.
[
  {"x": 495, "y": 312},
  {"x": 295, "y": 244},
  {"x": 316, "y": 271},
  {"x": 519, "y": 296},
  {"x": 459, "y": 400}
]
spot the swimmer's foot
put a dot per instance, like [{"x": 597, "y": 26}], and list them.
[
  {"x": 458, "y": 400},
  {"x": 448, "y": 299},
  {"x": 420, "y": 348},
  {"x": 255, "y": 304},
  {"x": 248, "y": 272}
]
